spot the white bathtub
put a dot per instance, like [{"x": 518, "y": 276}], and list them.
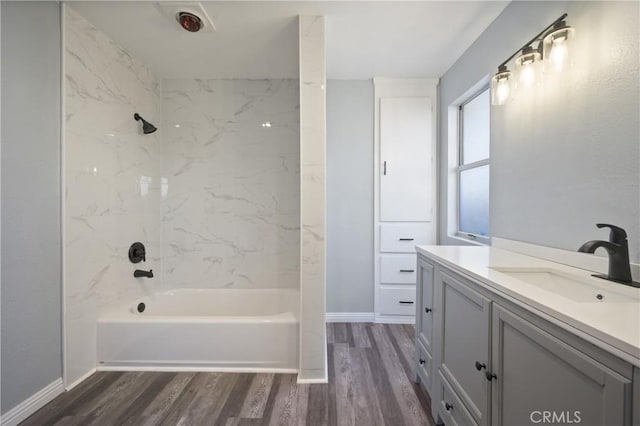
[{"x": 248, "y": 330}]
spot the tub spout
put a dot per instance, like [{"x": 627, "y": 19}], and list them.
[{"x": 138, "y": 273}]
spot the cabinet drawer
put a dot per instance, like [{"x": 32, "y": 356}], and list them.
[
  {"x": 398, "y": 269},
  {"x": 424, "y": 365},
  {"x": 398, "y": 301},
  {"x": 403, "y": 237},
  {"x": 451, "y": 408}
]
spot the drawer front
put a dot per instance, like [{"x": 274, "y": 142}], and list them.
[
  {"x": 398, "y": 301},
  {"x": 398, "y": 269},
  {"x": 403, "y": 237},
  {"x": 424, "y": 365},
  {"x": 451, "y": 408}
]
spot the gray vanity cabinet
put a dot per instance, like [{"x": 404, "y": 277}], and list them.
[
  {"x": 463, "y": 329},
  {"x": 496, "y": 363},
  {"x": 424, "y": 324},
  {"x": 536, "y": 372},
  {"x": 425, "y": 315}
]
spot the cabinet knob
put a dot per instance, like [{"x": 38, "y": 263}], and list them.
[
  {"x": 421, "y": 361},
  {"x": 427, "y": 310},
  {"x": 490, "y": 376},
  {"x": 480, "y": 365},
  {"x": 448, "y": 406}
]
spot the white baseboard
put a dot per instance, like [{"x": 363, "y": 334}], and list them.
[
  {"x": 395, "y": 319},
  {"x": 82, "y": 378},
  {"x": 196, "y": 369},
  {"x": 349, "y": 316},
  {"x": 312, "y": 381},
  {"x": 32, "y": 404}
]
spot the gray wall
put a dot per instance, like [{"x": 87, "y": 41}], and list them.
[
  {"x": 349, "y": 196},
  {"x": 31, "y": 254},
  {"x": 568, "y": 155}
]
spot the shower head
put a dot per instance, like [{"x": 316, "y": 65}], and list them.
[{"x": 146, "y": 126}]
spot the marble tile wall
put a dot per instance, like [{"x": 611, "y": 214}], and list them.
[
  {"x": 231, "y": 183},
  {"x": 112, "y": 183},
  {"x": 313, "y": 355}
]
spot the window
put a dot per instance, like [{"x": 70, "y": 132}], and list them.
[{"x": 473, "y": 167}]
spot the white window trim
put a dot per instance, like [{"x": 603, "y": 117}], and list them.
[{"x": 454, "y": 155}]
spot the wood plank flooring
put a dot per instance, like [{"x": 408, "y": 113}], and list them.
[{"x": 370, "y": 383}]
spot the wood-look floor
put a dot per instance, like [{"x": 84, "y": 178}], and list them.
[{"x": 370, "y": 383}]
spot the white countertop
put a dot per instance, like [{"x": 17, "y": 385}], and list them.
[{"x": 612, "y": 325}]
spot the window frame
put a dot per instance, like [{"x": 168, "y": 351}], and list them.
[{"x": 460, "y": 167}]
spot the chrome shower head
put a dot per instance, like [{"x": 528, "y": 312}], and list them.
[{"x": 146, "y": 126}]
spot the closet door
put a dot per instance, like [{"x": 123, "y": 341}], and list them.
[{"x": 405, "y": 159}]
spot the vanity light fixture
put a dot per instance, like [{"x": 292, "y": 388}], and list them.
[
  {"x": 501, "y": 86},
  {"x": 548, "y": 49},
  {"x": 527, "y": 65},
  {"x": 556, "y": 47}
]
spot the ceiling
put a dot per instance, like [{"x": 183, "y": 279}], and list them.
[{"x": 258, "y": 39}]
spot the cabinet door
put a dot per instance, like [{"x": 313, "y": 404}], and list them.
[
  {"x": 539, "y": 377},
  {"x": 405, "y": 159},
  {"x": 424, "y": 314},
  {"x": 464, "y": 330}
]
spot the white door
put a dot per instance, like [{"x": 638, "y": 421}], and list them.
[{"x": 405, "y": 159}]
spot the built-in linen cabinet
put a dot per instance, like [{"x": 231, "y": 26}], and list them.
[
  {"x": 405, "y": 191},
  {"x": 489, "y": 361}
]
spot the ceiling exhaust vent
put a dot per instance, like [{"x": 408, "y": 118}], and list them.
[{"x": 177, "y": 11}]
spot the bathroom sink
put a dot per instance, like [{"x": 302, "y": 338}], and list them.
[{"x": 575, "y": 288}]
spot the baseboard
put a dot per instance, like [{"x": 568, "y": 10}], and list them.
[
  {"x": 349, "y": 316},
  {"x": 312, "y": 381},
  {"x": 196, "y": 369},
  {"x": 82, "y": 378},
  {"x": 32, "y": 404},
  {"x": 395, "y": 319}
]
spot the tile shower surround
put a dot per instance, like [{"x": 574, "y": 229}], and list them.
[
  {"x": 216, "y": 200},
  {"x": 112, "y": 191},
  {"x": 231, "y": 183}
]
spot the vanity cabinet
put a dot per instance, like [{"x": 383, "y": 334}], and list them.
[
  {"x": 495, "y": 363},
  {"x": 537, "y": 372},
  {"x": 424, "y": 325},
  {"x": 463, "y": 324}
]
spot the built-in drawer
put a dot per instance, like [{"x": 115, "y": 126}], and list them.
[
  {"x": 423, "y": 366},
  {"x": 403, "y": 237},
  {"x": 451, "y": 409},
  {"x": 398, "y": 301},
  {"x": 398, "y": 268}
]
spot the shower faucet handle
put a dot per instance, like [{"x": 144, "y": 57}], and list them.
[{"x": 137, "y": 253}]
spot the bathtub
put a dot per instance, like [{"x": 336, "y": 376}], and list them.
[{"x": 240, "y": 330}]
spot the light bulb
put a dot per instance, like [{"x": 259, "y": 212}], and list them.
[
  {"x": 527, "y": 75},
  {"x": 558, "y": 54},
  {"x": 501, "y": 86},
  {"x": 502, "y": 91},
  {"x": 527, "y": 65},
  {"x": 557, "y": 49}
]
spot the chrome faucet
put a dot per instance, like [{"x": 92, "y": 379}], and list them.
[{"x": 618, "y": 249}]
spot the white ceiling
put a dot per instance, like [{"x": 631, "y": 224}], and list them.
[{"x": 259, "y": 39}]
